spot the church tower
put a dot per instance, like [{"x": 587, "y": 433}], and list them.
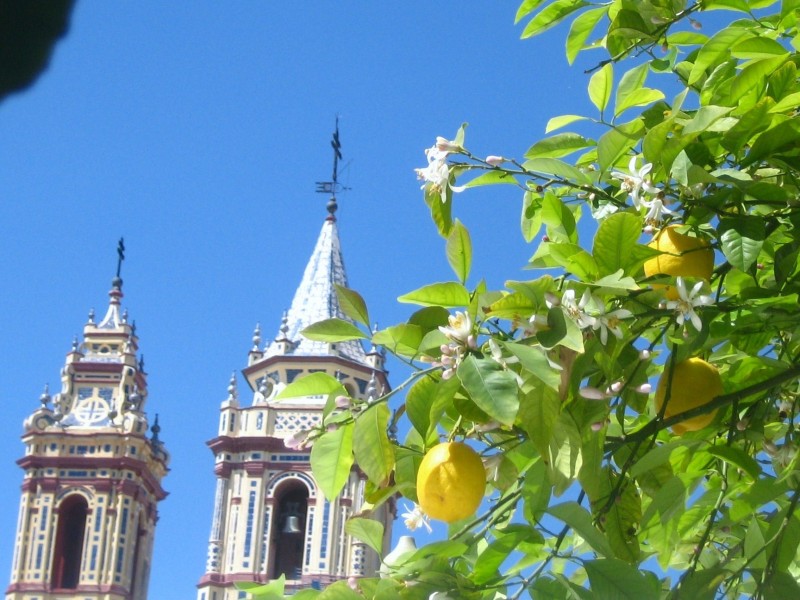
[
  {"x": 270, "y": 516},
  {"x": 92, "y": 477}
]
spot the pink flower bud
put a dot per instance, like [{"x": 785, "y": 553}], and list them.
[
  {"x": 495, "y": 160},
  {"x": 592, "y": 393},
  {"x": 445, "y": 145},
  {"x": 342, "y": 402},
  {"x": 644, "y": 354},
  {"x": 616, "y": 387},
  {"x": 597, "y": 426},
  {"x": 645, "y": 388}
]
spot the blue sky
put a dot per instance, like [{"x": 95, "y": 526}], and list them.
[{"x": 197, "y": 132}]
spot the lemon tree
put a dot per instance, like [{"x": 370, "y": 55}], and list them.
[{"x": 682, "y": 171}]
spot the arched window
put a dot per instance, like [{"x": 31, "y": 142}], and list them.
[
  {"x": 69, "y": 542},
  {"x": 288, "y": 528}
]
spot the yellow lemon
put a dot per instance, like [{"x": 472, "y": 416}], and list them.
[
  {"x": 686, "y": 256},
  {"x": 450, "y": 482},
  {"x": 694, "y": 383}
]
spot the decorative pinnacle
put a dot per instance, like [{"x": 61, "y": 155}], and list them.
[
  {"x": 156, "y": 429},
  {"x": 233, "y": 393},
  {"x": 45, "y": 397},
  {"x": 91, "y": 316},
  {"x": 256, "y": 336},
  {"x": 285, "y": 324}
]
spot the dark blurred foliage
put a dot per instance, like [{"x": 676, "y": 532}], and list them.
[{"x": 29, "y": 29}]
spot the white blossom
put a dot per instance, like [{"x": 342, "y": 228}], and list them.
[
  {"x": 634, "y": 182},
  {"x": 414, "y": 518},
  {"x": 459, "y": 328},
  {"x": 297, "y": 440},
  {"x": 688, "y": 301},
  {"x": 656, "y": 208},
  {"x": 606, "y": 322},
  {"x": 437, "y": 173},
  {"x": 575, "y": 310}
]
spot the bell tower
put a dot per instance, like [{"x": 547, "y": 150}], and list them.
[
  {"x": 92, "y": 477},
  {"x": 270, "y": 516}
]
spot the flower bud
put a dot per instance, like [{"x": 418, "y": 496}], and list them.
[
  {"x": 342, "y": 402},
  {"x": 644, "y": 354},
  {"x": 445, "y": 145},
  {"x": 645, "y": 388},
  {"x": 616, "y": 387},
  {"x": 495, "y": 160},
  {"x": 592, "y": 393}
]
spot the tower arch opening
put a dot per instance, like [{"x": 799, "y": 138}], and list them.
[
  {"x": 289, "y": 527},
  {"x": 70, "y": 534}
]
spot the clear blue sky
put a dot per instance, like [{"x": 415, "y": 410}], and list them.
[{"x": 197, "y": 131}]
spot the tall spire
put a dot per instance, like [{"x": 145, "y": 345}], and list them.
[{"x": 316, "y": 299}]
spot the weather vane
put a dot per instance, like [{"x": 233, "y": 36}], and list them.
[
  {"x": 331, "y": 187},
  {"x": 120, "y": 255}
]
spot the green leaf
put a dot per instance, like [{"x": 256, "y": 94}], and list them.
[
  {"x": 493, "y": 389},
  {"x": 580, "y": 30},
  {"x": 534, "y": 360},
  {"x": 448, "y": 294},
  {"x": 757, "y": 48},
  {"x": 559, "y": 220},
  {"x": 716, "y": 50},
  {"x": 427, "y": 400},
  {"x": 332, "y": 330},
  {"x": 273, "y": 590},
  {"x": 612, "y": 578},
  {"x": 551, "y": 16},
  {"x": 579, "y": 519},
  {"x": 441, "y": 208},
  {"x": 616, "y": 142},
  {"x": 352, "y": 304},
  {"x": 314, "y": 384},
  {"x": 738, "y": 458},
  {"x": 493, "y": 177},
  {"x": 538, "y": 412},
  {"x": 575, "y": 260},
  {"x": 339, "y": 590},
  {"x": 531, "y": 220},
  {"x": 332, "y": 458},
  {"x": 403, "y": 339},
  {"x": 560, "y": 330},
  {"x": 459, "y": 251},
  {"x": 557, "y": 168},
  {"x": 614, "y": 242},
  {"x": 600, "y": 87},
  {"x": 742, "y": 239},
  {"x": 373, "y": 451},
  {"x": 784, "y": 136},
  {"x": 368, "y": 531},
  {"x": 755, "y": 75},
  {"x": 558, "y": 145},
  {"x": 562, "y": 121},
  {"x": 509, "y": 540}
]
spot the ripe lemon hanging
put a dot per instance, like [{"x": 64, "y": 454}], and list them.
[
  {"x": 686, "y": 256},
  {"x": 450, "y": 482},
  {"x": 694, "y": 383}
]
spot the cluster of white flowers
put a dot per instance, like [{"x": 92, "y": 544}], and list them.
[
  {"x": 459, "y": 332},
  {"x": 437, "y": 173},
  {"x": 598, "y": 319},
  {"x": 636, "y": 183}
]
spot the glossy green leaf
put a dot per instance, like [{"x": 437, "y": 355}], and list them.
[
  {"x": 459, "y": 251},
  {"x": 560, "y": 330},
  {"x": 332, "y": 330},
  {"x": 531, "y": 219},
  {"x": 783, "y": 137},
  {"x": 614, "y": 242},
  {"x": 493, "y": 389},
  {"x": 742, "y": 239},
  {"x": 538, "y": 412},
  {"x": 562, "y": 121},
  {"x": 441, "y": 208},
  {"x": 559, "y": 220},
  {"x": 612, "y": 578},
  {"x": 273, "y": 590},
  {"x": 558, "y": 145},
  {"x": 507, "y": 541},
  {"x": 331, "y": 459},
  {"x": 314, "y": 384},
  {"x": 448, "y": 294},
  {"x": 580, "y": 30},
  {"x": 556, "y": 168},
  {"x": 600, "y": 87},
  {"x": 352, "y": 304},
  {"x": 368, "y": 531},
  {"x": 716, "y": 50},
  {"x": 493, "y": 177},
  {"x": 579, "y": 519},
  {"x": 373, "y": 451},
  {"x": 574, "y": 260},
  {"x": 403, "y": 339},
  {"x": 339, "y": 591},
  {"x": 551, "y": 16},
  {"x": 616, "y": 142},
  {"x": 534, "y": 360}
]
